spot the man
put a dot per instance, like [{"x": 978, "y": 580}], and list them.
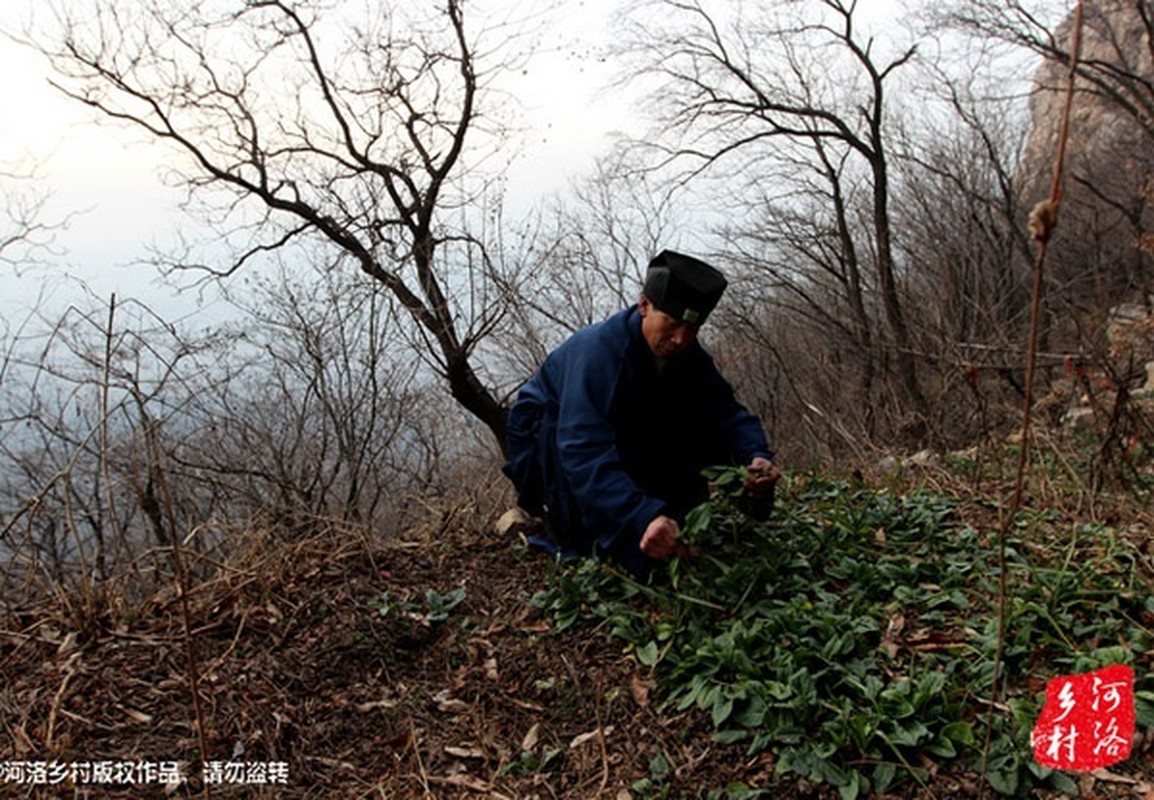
[{"x": 608, "y": 439}]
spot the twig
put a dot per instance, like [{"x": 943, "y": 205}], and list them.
[
  {"x": 105, "y": 467},
  {"x": 422, "y": 773},
  {"x": 601, "y": 739},
  {"x": 58, "y": 699},
  {"x": 182, "y": 592}
]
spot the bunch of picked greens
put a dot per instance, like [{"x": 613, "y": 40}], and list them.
[{"x": 853, "y": 634}]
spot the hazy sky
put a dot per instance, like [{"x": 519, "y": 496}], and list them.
[
  {"x": 108, "y": 176},
  {"x": 90, "y": 170}
]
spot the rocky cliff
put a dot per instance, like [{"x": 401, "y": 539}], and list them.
[{"x": 1109, "y": 188}]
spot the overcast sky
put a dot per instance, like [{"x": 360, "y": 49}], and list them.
[{"x": 108, "y": 176}]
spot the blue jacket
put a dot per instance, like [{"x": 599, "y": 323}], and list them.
[{"x": 601, "y": 441}]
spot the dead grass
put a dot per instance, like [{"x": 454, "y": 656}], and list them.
[{"x": 296, "y": 665}]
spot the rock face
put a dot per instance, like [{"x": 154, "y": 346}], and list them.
[
  {"x": 1109, "y": 188},
  {"x": 1112, "y": 119}
]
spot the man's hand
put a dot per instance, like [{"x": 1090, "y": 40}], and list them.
[
  {"x": 660, "y": 538},
  {"x": 761, "y": 476}
]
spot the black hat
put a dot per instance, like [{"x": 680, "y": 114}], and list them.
[{"x": 683, "y": 286}]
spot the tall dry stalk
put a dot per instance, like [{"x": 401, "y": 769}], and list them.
[
  {"x": 180, "y": 576},
  {"x": 1043, "y": 220}
]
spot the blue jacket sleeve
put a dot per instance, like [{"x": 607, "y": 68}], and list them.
[{"x": 612, "y": 504}]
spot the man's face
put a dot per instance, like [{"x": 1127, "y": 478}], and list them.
[{"x": 666, "y": 336}]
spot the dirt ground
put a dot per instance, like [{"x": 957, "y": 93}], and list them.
[{"x": 308, "y": 691}]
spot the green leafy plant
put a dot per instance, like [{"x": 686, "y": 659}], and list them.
[
  {"x": 532, "y": 762},
  {"x": 434, "y": 607},
  {"x": 853, "y": 635}
]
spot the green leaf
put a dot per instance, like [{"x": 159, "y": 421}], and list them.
[
  {"x": 959, "y": 733},
  {"x": 884, "y": 776},
  {"x": 740, "y": 791},
  {"x": 1064, "y": 783},
  {"x": 851, "y": 790},
  {"x": 1038, "y": 770},
  {"x": 1002, "y": 774},
  {"x": 730, "y": 736},
  {"x": 690, "y": 697},
  {"x": 830, "y": 772},
  {"x": 697, "y": 522},
  {"x": 647, "y": 654},
  {"x": 722, "y": 708},
  {"x": 943, "y": 748},
  {"x": 909, "y": 735},
  {"x": 1144, "y": 708}
]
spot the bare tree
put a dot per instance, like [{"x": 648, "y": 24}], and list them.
[
  {"x": 25, "y": 232},
  {"x": 582, "y": 256},
  {"x": 802, "y": 251},
  {"x": 741, "y": 92},
  {"x": 964, "y": 217},
  {"x": 301, "y": 123},
  {"x": 122, "y": 431},
  {"x": 82, "y": 395},
  {"x": 318, "y": 416}
]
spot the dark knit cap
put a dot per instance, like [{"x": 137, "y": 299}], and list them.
[{"x": 682, "y": 286}]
